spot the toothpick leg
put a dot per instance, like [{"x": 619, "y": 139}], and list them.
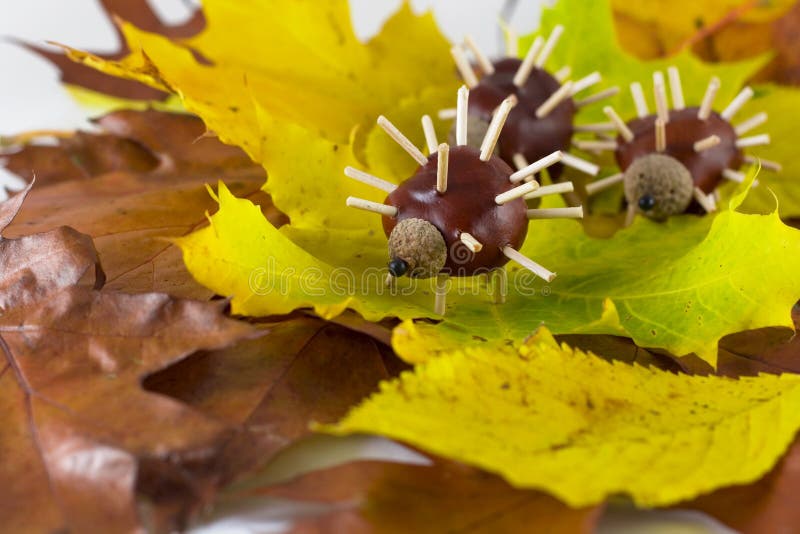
[
  {"x": 499, "y": 282},
  {"x": 440, "y": 303}
]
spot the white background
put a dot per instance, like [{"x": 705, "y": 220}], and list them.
[
  {"x": 31, "y": 97},
  {"x": 30, "y": 94}
]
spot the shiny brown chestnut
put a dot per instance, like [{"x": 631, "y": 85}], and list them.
[
  {"x": 463, "y": 212},
  {"x": 467, "y": 206},
  {"x": 543, "y": 122},
  {"x": 524, "y": 133},
  {"x": 674, "y": 160},
  {"x": 682, "y": 132}
]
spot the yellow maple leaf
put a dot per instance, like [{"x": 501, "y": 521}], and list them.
[
  {"x": 304, "y": 105},
  {"x": 658, "y": 28},
  {"x": 553, "y": 418},
  {"x": 300, "y": 94}
]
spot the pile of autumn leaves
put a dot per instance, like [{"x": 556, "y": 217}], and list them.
[{"x": 131, "y": 398}]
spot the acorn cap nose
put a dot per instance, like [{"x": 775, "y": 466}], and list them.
[
  {"x": 398, "y": 267},
  {"x": 647, "y": 202}
]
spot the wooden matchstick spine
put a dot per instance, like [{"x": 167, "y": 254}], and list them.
[
  {"x": 705, "y": 201},
  {"x": 471, "y": 243},
  {"x": 753, "y": 122},
  {"x": 549, "y": 45},
  {"x": 708, "y": 99},
  {"x": 585, "y": 82},
  {"x": 769, "y": 165},
  {"x": 464, "y": 67},
  {"x": 495, "y": 127},
  {"x": 595, "y": 127},
  {"x": 365, "y": 178},
  {"x": 556, "y": 213},
  {"x": 737, "y": 103},
  {"x": 554, "y": 100},
  {"x": 602, "y": 95},
  {"x": 515, "y": 193},
  {"x": 660, "y": 92},
  {"x": 733, "y": 176},
  {"x": 483, "y": 61},
  {"x": 591, "y": 144},
  {"x": 639, "y": 101},
  {"x": 520, "y": 162},
  {"x": 604, "y": 183},
  {"x": 528, "y": 63},
  {"x": 536, "y": 166},
  {"x": 676, "y": 88},
  {"x": 755, "y": 140},
  {"x": 442, "y": 167},
  {"x": 708, "y": 142},
  {"x": 430, "y": 134},
  {"x": 619, "y": 124},
  {"x": 553, "y": 189},
  {"x": 528, "y": 263},
  {"x": 563, "y": 73},
  {"x": 402, "y": 140},
  {"x": 579, "y": 164},
  {"x": 661, "y": 135},
  {"x": 462, "y": 111},
  {"x": 368, "y": 205}
]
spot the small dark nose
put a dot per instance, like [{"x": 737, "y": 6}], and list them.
[
  {"x": 397, "y": 267},
  {"x": 647, "y": 202}
]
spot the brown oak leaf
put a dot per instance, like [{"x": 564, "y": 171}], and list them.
[
  {"x": 373, "y": 496},
  {"x": 765, "y": 350},
  {"x": 130, "y": 200},
  {"x": 767, "y": 505},
  {"x": 303, "y": 370},
  {"x": 82, "y": 442}
]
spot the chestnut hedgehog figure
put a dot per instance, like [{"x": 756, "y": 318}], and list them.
[
  {"x": 543, "y": 122},
  {"x": 674, "y": 160},
  {"x": 463, "y": 212}
]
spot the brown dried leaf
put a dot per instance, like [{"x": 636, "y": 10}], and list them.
[
  {"x": 158, "y": 191},
  {"x": 139, "y": 13},
  {"x": 303, "y": 370},
  {"x": 716, "y": 31},
  {"x": 765, "y": 350},
  {"x": 768, "y": 505},
  {"x": 79, "y": 157},
  {"x": 739, "y": 40},
  {"x": 444, "y": 497},
  {"x": 10, "y": 208},
  {"x": 133, "y": 141},
  {"x": 81, "y": 439}
]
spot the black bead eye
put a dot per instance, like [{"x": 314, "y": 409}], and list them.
[
  {"x": 397, "y": 267},
  {"x": 647, "y": 202}
]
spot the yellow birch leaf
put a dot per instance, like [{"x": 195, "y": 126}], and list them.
[{"x": 583, "y": 429}]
